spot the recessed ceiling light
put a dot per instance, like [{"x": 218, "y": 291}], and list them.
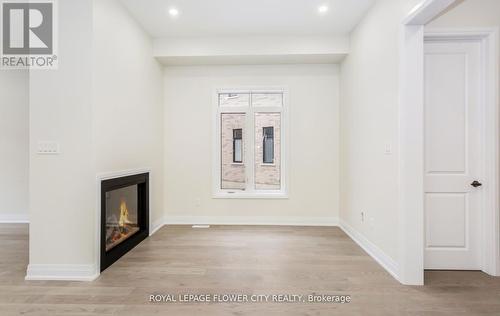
[
  {"x": 173, "y": 12},
  {"x": 323, "y": 9}
]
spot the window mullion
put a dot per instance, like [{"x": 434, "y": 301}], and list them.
[{"x": 251, "y": 149}]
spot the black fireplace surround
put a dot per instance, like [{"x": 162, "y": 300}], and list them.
[{"x": 124, "y": 216}]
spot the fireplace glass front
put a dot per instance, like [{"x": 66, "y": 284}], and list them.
[
  {"x": 121, "y": 215},
  {"x": 124, "y": 216}
]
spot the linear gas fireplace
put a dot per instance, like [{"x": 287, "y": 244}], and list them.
[{"x": 124, "y": 216}]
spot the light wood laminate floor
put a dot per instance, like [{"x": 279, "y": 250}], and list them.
[{"x": 246, "y": 260}]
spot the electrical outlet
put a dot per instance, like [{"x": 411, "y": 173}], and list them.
[
  {"x": 362, "y": 217},
  {"x": 388, "y": 149},
  {"x": 48, "y": 148},
  {"x": 197, "y": 202}
]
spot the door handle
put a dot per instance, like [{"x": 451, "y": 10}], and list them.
[{"x": 476, "y": 184}]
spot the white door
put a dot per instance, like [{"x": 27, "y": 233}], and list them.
[{"x": 453, "y": 155}]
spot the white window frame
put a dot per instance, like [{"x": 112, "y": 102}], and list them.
[{"x": 249, "y": 144}]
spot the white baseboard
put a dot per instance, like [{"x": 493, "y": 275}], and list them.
[
  {"x": 61, "y": 272},
  {"x": 14, "y": 218},
  {"x": 156, "y": 225},
  {"x": 375, "y": 252},
  {"x": 251, "y": 220}
]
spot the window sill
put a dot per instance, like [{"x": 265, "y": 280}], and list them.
[
  {"x": 237, "y": 164},
  {"x": 254, "y": 195},
  {"x": 268, "y": 165}
]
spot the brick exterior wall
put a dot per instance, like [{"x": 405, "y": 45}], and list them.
[
  {"x": 267, "y": 176},
  {"x": 233, "y": 174}
]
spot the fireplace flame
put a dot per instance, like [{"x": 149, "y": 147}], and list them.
[
  {"x": 123, "y": 214},
  {"x": 118, "y": 232}
]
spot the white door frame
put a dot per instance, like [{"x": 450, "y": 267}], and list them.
[{"x": 411, "y": 128}]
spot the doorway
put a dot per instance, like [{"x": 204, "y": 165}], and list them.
[
  {"x": 411, "y": 248},
  {"x": 460, "y": 138},
  {"x": 453, "y": 154}
]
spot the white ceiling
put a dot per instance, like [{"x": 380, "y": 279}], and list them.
[{"x": 211, "y": 18}]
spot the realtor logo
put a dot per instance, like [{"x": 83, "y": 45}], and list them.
[{"x": 28, "y": 34}]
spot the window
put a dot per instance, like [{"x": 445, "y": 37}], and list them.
[
  {"x": 250, "y": 142},
  {"x": 237, "y": 145},
  {"x": 268, "y": 145},
  {"x": 233, "y": 176}
]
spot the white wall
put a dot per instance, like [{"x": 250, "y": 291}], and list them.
[
  {"x": 314, "y": 152},
  {"x": 470, "y": 13},
  {"x": 251, "y": 50},
  {"x": 251, "y": 45},
  {"x": 104, "y": 106},
  {"x": 62, "y": 187},
  {"x": 127, "y": 99},
  {"x": 369, "y": 124},
  {"x": 14, "y": 148}
]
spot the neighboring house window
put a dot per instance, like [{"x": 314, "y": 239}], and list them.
[
  {"x": 250, "y": 166},
  {"x": 268, "y": 145},
  {"x": 237, "y": 145}
]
